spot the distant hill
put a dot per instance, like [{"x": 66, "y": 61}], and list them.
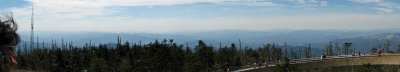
[
  {"x": 365, "y": 43},
  {"x": 362, "y": 40},
  {"x": 248, "y": 38}
]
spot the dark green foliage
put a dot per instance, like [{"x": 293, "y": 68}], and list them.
[
  {"x": 368, "y": 68},
  {"x": 203, "y": 57},
  {"x": 329, "y": 49},
  {"x": 307, "y": 51},
  {"x": 285, "y": 67},
  {"x": 374, "y": 50},
  {"x": 337, "y": 48},
  {"x": 356, "y": 68},
  {"x": 168, "y": 56},
  {"x": 164, "y": 56},
  {"x": 386, "y": 47},
  {"x": 276, "y": 54},
  {"x": 346, "y": 47}
]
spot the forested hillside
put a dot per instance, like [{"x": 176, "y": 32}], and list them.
[{"x": 165, "y": 55}]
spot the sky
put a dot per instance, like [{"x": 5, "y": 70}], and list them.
[{"x": 159, "y": 16}]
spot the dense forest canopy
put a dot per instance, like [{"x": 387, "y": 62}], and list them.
[
  {"x": 165, "y": 55},
  {"x": 156, "y": 56}
]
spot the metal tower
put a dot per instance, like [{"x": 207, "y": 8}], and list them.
[{"x": 32, "y": 32}]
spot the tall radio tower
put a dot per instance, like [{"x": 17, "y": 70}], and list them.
[{"x": 32, "y": 32}]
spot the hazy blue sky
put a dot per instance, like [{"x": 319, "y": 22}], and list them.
[{"x": 203, "y": 15}]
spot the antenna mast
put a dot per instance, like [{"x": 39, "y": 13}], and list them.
[{"x": 32, "y": 32}]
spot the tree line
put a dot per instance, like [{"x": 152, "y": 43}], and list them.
[
  {"x": 347, "y": 48},
  {"x": 165, "y": 55}
]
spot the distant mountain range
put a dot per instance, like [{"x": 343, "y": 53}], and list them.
[
  {"x": 365, "y": 43},
  {"x": 254, "y": 39},
  {"x": 295, "y": 39}
]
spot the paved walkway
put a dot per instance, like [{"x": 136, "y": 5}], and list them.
[{"x": 341, "y": 60}]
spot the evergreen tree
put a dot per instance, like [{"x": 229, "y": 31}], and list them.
[
  {"x": 308, "y": 51},
  {"x": 276, "y": 53},
  {"x": 374, "y": 50},
  {"x": 338, "y": 50},
  {"x": 386, "y": 46},
  {"x": 329, "y": 49},
  {"x": 204, "y": 57},
  {"x": 346, "y": 47}
]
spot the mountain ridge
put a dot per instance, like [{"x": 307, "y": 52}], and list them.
[
  {"x": 248, "y": 38},
  {"x": 366, "y": 43}
]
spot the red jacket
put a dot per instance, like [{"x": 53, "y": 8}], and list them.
[{"x": 379, "y": 51}]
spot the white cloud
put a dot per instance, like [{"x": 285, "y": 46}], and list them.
[
  {"x": 55, "y": 15},
  {"x": 306, "y": 1},
  {"x": 389, "y": 5},
  {"x": 336, "y": 21},
  {"x": 384, "y": 10},
  {"x": 324, "y": 3},
  {"x": 252, "y": 3},
  {"x": 310, "y": 3},
  {"x": 367, "y": 1},
  {"x": 382, "y": 7},
  {"x": 58, "y": 14},
  {"x": 75, "y": 9},
  {"x": 298, "y": 1}
]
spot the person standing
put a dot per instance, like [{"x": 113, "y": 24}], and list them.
[
  {"x": 8, "y": 40},
  {"x": 379, "y": 52}
]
